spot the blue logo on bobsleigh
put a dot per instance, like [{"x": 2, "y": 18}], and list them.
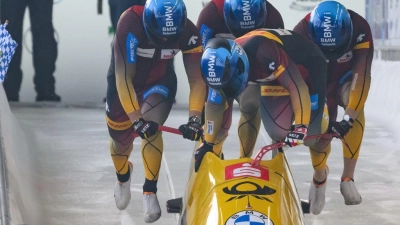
[{"x": 249, "y": 218}]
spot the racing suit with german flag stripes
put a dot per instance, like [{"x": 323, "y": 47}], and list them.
[
  {"x": 292, "y": 71},
  {"x": 348, "y": 82},
  {"x": 142, "y": 84},
  {"x": 212, "y": 24}
]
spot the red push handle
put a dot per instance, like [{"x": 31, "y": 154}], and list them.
[
  {"x": 260, "y": 154},
  {"x": 169, "y": 130},
  {"x": 165, "y": 129}
]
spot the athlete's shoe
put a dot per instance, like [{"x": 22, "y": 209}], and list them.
[
  {"x": 349, "y": 192},
  {"x": 122, "y": 191},
  {"x": 151, "y": 207},
  {"x": 317, "y": 195}
]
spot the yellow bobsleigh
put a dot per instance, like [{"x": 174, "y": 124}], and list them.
[{"x": 240, "y": 192}]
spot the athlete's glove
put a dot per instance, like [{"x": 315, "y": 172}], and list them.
[
  {"x": 340, "y": 128},
  {"x": 145, "y": 129},
  {"x": 296, "y": 136},
  {"x": 199, "y": 154},
  {"x": 192, "y": 130}
]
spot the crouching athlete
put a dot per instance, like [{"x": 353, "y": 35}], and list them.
[
  {"x": 349, "y": 52},
  {"x": 141, "y": 90},
  {"x": 282, "y": 61},
  {"x": 224, "y": 18}
]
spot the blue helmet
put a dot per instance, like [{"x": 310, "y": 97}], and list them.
[
  {"x": 243, "y": 16},
  {"x": 225, "y": 66},
  {"x": 330, "y": 27},
  {"x": 164, "y": 21}
]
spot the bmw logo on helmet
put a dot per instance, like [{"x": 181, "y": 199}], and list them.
[
  {"x": 242, "y": 16},
  {"x": 164, "y": 21},
  {"x": 225, "y": 66},
  {"x": 331, "y": 28}
]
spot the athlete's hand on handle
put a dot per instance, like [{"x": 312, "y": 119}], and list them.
[
  {"x": 199, "y": 154},
  {"x": 145, "y": 129},
  {"x": 296, "y": 136},
  {"x": 340, "y": 128},
  {"x": 192, "y": 130}
]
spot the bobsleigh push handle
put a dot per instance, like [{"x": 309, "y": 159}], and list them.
[
  {"x": 260, "y": 154},
  {"x": 169, "y": 130},
  {"x": 165, "y": 129}
]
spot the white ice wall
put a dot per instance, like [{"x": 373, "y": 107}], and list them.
[
  {"x": 383, "y": 104},
  {"x": 20, "y": 203}
]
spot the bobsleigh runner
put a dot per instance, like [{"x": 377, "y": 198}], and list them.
[{"x": 241, "y": 191}]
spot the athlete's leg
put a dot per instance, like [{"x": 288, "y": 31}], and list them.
[
  {"x": 352, "y": 140},
  {"x": 120, "y": 130},
  {"x": 351, "y": 149},
  {"x": 155, "y": 104},
  {"x": 249, "y": 123},
  {"x": 276, "y": 113},
  {"x": 155, "y": 107},
  {"x": 319, "y": 152},
  {"x": 315, "y": 71},
  {"x": 319, "y": 147},
  {"x": 352, "y": 144}
]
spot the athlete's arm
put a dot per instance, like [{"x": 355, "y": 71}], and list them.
[
  {"x": 214, "y": 112},
  {"x": 197, "y": 94},
  {"x": 361, "y": 81},
  {"x": 363, "y": 53},
  {"x": 191, "y": 54},
  {"x": 125, "y": 63},
  {"x": 292, "y": 81}
]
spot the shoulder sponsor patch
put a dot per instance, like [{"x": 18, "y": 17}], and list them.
[
  {"x": 206, "y": 34},
  {"x": 168, "y": 53},
  {"x": 346, "y": 57},
  {"x": 146, "y": 52},
  {"x": 131, "y": 47}
]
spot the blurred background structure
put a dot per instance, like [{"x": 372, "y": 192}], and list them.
[{"x": 384, "y": 18}]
